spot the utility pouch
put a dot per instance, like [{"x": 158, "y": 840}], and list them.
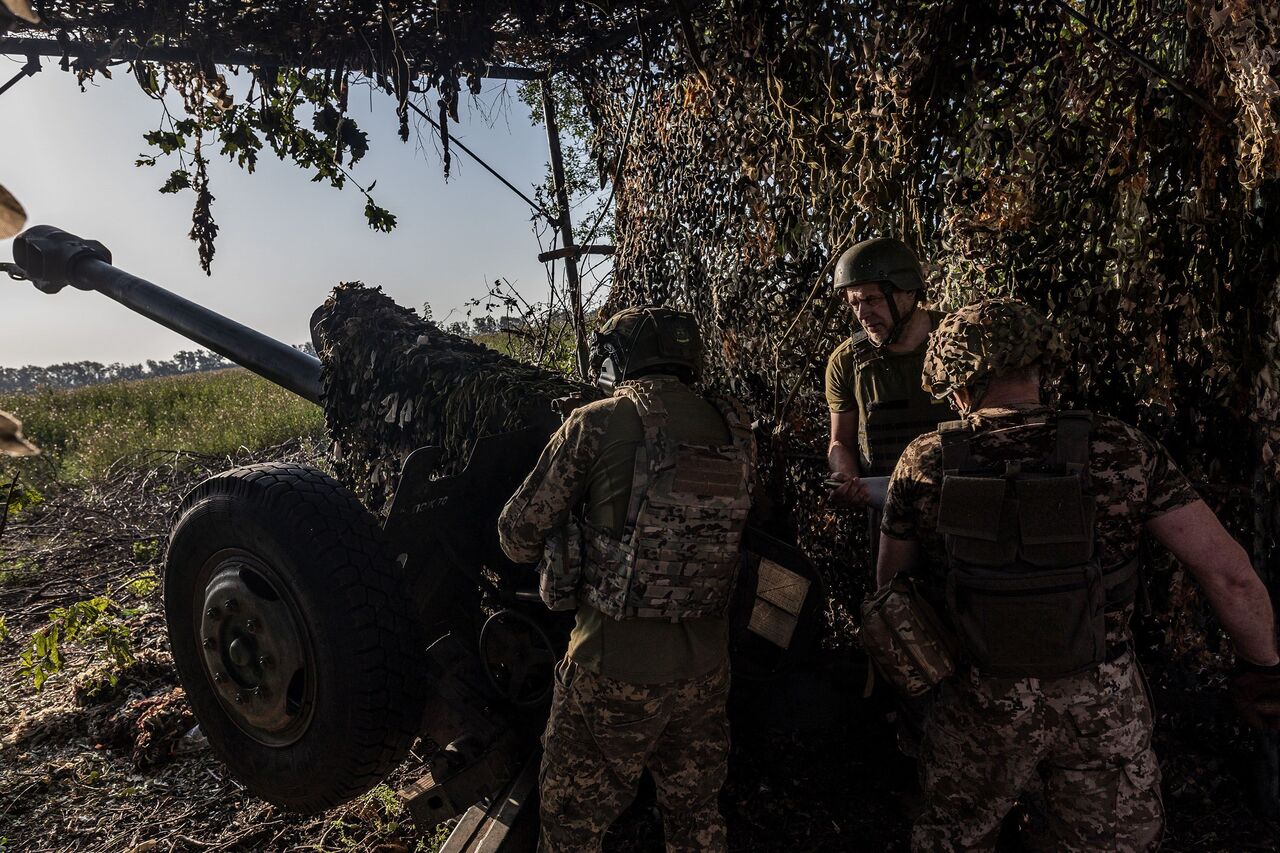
[
  {"x": 560, "y": 571},
  {"x": 906, "y": 640},
  {"x": 1041, "y": 623}
]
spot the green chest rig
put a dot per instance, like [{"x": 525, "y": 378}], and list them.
[{"x": 1025, "y": 589}]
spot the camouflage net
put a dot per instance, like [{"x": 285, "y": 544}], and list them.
[
  {"x": 1022, "y": 154},
  {"x": 394, "y": 382},
  {"x": 1024, "y": 151}
]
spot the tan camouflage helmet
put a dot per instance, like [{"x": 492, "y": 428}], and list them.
[{"x": 984, "y": 340}]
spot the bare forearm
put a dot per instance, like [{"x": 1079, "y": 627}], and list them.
[
  {"x": 1240, "y": 601},
  {"x": 1237, "y": 595},
  {"x": 842, "y": 460},
  {"x": 896, "y": 555}
]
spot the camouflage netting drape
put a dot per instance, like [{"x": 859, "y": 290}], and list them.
[
  {"x": 1022, "y": 154},
  {"x": 394, "y": 382},
  {"x": 1016, "y": 147}
]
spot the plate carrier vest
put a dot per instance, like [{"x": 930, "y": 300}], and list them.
[
  {"x": 888, "y": 426},
  {"x": 1025, "y": 589},
  {"x": 680, "y": 548}
]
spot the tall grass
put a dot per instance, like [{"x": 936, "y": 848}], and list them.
[{"x": 83, "y": 430}]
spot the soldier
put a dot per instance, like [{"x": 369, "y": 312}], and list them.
[
  {"x": 873, "y": 378},
  {"x": 1023, "y": 522},
  {"x": 874, "y": 394},
  {"x": 637, "y": 508}
]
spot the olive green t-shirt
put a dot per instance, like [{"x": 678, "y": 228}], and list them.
[{"x": 857, "y": 381}]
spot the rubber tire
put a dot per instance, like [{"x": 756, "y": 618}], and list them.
[{"x": 326, "y": 548}]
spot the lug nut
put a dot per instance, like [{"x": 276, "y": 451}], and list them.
[
  {"x": 230, "y": 604},
  {"x": 258, "y": 691},
  {"x": 209, "y": 642},
  {"x": 239, "y": 698},
  {"x": 212, "y": 613},
  {"x": 251, "y": 625},
  {"x": 219, "y": 677},
  {"x": 264, "y": 662}
]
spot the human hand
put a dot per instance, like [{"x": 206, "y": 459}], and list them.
[
  {"x": 847, "y": 490},
  {"x": 1255, "y": 691}
]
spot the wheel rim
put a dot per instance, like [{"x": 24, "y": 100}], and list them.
[
  {"x": 518, "y": 658},
  {"x": 256, "y": 649}
]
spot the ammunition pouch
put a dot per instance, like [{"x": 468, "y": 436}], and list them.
[
  {"x": 905, "y": 639},
  {"x": 560, "y": 571}
]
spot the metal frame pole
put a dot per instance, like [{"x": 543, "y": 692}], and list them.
[{"x": 566, "y": 228}]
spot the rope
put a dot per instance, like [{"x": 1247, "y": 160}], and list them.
[{"x": 537, "y": 208}]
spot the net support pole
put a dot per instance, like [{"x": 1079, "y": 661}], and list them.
[{"x": 566, "y": 228}]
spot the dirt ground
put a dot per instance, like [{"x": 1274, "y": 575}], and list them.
[{"x": 90, "y": 766}]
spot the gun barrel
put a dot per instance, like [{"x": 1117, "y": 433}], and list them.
[{"x": 54, "y": 258}]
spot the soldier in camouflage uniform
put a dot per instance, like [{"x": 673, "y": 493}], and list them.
[
  {"x": 1022, "y": 714},
  {"x": 637, "y": 508}
]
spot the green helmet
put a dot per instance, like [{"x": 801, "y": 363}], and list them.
[
  {"x": 879, "y": 261},
  {"x": 644, "y": 339},
  {"x": 984, "y": 340}
]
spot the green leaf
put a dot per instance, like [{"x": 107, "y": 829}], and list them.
[
  {"x": 179, "y": 179},
  {"x": 380, "y": 219}
]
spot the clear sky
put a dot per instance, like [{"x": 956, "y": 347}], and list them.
[{"x": 284, "y": 241}]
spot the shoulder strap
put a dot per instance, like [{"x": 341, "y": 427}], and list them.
[
  {"x": 651, "y": 454},
  {"x": 1072, "y": 448},
  {"x": 862, "y": 348},
  {"x": 648, "y": 403},
  {"x": 955, "y": 436}
]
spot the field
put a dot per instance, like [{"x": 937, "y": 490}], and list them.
[
  {"x": 83, "y": 431},
  {"x": 96, "y": 759}
]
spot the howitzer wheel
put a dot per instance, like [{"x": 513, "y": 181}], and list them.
[
  {"x": 518, "y": 658},
  {"x": 292, "y": 634}
]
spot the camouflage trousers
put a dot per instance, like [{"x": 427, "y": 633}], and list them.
[
  {"x": 601, "y": 736},
  {"x": 1082, "y": 743}
]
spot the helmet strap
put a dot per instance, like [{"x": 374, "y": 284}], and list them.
[
  {"x": 977, "y": 390},
  {"x": 899, "y": 320}
]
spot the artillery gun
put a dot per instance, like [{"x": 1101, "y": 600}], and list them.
[{"x": 316, "y": 641}]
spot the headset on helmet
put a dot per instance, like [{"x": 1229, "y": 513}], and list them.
[{"x": 646, "y": 339}]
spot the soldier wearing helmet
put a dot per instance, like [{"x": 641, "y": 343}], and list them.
[
  {"x": 1020, "y": 525},
  {"x": 637, "y": 509},
  {"x": 873, "y": 378}
]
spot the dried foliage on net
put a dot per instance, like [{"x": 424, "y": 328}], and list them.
[
  {"x": 394, "y": 382},
  {"x": 1021, "y": 153}
]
